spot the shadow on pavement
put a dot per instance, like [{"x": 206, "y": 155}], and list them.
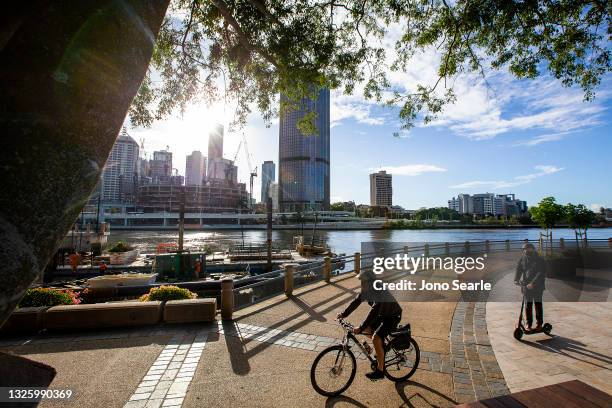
[
  {"x": 401, "y": 391},
  {"x": 563, "y": 345},
  {"x": 333, "y": 401},
  {"x": 236, "y": 349}
]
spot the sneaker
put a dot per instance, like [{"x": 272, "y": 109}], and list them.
[{"x": 375, "y": 375}]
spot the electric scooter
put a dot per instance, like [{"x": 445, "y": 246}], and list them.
[{"x": 520, "y": 330}]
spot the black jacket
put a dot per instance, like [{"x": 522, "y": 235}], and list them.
[
  {"x": 379, "y": 310},
  {"x": 531, "y": 269}
]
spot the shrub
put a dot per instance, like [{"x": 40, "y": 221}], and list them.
[
  {"x": 49, "y": 297},
  {"x": 120, "y": 247},
  {"x": 167, "y": 292}
]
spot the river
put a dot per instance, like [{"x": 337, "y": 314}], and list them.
[{"x": 340, "y": 241}]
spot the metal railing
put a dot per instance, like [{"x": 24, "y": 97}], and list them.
[{"x": 257, "y": 288}]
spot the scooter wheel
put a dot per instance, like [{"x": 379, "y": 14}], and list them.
[
  {"x": 518, "y": 333},
  {"x": 547, "y": 328}
]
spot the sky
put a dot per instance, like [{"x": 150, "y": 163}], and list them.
[{"x": 534, "y": 138}]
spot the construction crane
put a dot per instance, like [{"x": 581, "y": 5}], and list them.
[{"x": 252, "y": 170}]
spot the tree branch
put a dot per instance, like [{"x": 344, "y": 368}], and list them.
[{"x": 242, "y": 37}]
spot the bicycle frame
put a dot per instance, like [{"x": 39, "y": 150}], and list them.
[{"x": 348, "y": 336}]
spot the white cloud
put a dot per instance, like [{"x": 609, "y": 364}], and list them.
[
  {"x": 541, "y": 170},
  {"x": 596, "y": 207},
  {"x": 411, "y": 169}
]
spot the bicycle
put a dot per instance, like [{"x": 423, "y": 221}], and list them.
[{"x": 402, "y": 357}]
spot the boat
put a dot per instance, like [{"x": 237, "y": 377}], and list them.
[{"x": 124, "y": 279}]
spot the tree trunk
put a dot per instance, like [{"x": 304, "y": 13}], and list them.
[{"x": 68, "y": 73}]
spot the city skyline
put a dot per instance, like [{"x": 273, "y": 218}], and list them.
[{"x": 491, "y": 142}]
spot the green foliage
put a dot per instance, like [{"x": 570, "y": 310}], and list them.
[
  {"x": 120, "y": 246},
  {"x": 438, "y": 213},
  {"x": 547, "y": 213},
  {"x": 252, "y": 51},
  {"x": 578, "y": 216},
  {"x": 48, "y": 297},
  {"x": 167, "y": 292}
]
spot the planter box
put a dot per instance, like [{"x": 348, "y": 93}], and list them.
[
  {"x": 190, "y": 311},
  {"x": 103, "y": 315},
  {"x": 560, "y": 267},
  {"x": 24, "y": 320},
  {"x": 123, "y": 258}
]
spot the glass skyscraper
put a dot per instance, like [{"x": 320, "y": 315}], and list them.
[{"x": 304, "y": 160}]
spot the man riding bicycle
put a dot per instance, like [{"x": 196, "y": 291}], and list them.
[{"x": 384, "y": 316}]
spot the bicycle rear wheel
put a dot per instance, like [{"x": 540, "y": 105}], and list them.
[
  {"x": 333, "y": 371},
  {"x": 401, "y": 364}
]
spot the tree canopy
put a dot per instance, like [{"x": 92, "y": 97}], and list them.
[{"x": 250, "y": 51}]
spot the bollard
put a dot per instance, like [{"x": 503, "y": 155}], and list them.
[
  {"x": 327, "y": 269},
  {"x": 289, "y": 279},
  {"x": 446, "y": 249},
  {"x": 227, "y": 299},
  {"x": 487, "y": 245},
  {"x": 467, "y": 247},
  {"x": 609, "y": 242},
  {"x": 426, "y": 249},
  {"x": 507, "y": 245},
  {"x": 561, "y": 243},
  {"x": 357, "y": 262}
]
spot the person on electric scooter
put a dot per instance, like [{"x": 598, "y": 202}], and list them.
[
  {"x": 384, "y": 317},
  {"x": 531, "y": 271}
]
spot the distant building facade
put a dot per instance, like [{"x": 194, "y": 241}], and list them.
[
  {"x": 488, "y": 204},
  {"x": 195, "y": 169},
  {"x": 120, "y": 175},
  {"x": 381, "y": 189},
  {"x": 215, "y": 145},
  {"x": 213, "y": 197},
  {"x": 268, "y": 176},
  {"x": 160, "y": 167},
  {"x": 303, "y": 168}
]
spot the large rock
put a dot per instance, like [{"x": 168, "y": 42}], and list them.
[
  {"x": 103, "y": 315},
  {"x": 190, "y": 310}
]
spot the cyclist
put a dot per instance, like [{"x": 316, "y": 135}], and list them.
[{"x": 383, "y": 318}]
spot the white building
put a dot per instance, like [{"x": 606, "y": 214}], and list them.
[
  {"x": 195, "y": 169},
  {"x": 119, "y": 177}
]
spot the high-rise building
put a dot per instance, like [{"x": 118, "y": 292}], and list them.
[
  {"x": 215, "y": 145},
  {"x": 381, "y": 189},
  {"x": 268, "y": 175},
  {"x": 195, "y": 169},
  {"x": 222, "y": 169},
  {"x": 120, "y": 176},
  {"x": 303, "y": 175},
  {"x": 161, "y": 167}
]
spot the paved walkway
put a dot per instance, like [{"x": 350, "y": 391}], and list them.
[
  {"x": 263, "y": 357},
  {"x": 580, "y": 346}
]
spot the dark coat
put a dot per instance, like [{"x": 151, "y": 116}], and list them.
[
  {"x": 531, "y": 269},
  {"x": 379, "y": 310}
]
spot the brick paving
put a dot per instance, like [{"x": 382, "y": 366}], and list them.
[{"x": 476, "y": 374}]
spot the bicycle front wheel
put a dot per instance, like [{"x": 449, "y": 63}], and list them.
[
  {"x": 333, "y": 371},
  {"x": 401, "y": 364}
]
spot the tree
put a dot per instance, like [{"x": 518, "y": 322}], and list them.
[
  {"x": 547, "y": 213},
  {"x": 580, "y": 219},
  {"x": 251, "y": 51},
  {"x": 68, "y": 74}
]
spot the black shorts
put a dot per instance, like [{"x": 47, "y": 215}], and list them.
[{"x": 382, "y": 326}]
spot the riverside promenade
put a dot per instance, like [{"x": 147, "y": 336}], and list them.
[{"x": 263, "y": 356}]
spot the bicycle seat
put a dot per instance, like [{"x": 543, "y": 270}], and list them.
[{"x": 401, "y": 331}]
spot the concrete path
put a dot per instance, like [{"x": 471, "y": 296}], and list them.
[{"x": 578, "y": 349}]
